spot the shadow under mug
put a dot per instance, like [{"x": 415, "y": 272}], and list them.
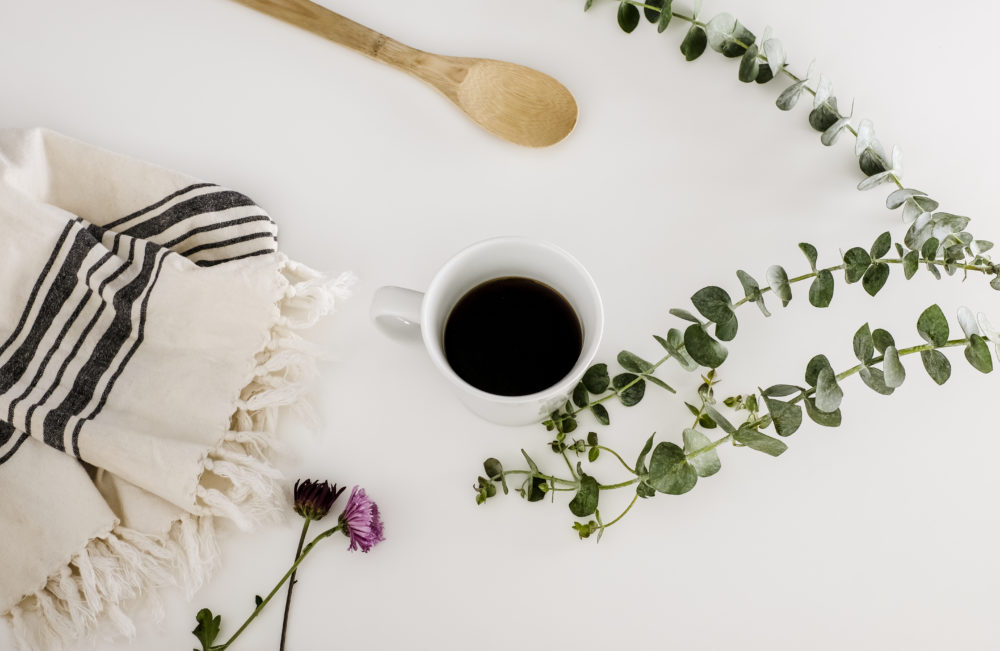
[{"x": 397, "y": 310}]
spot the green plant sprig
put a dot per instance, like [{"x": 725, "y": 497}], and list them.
[{"x": 675, "y": 469}]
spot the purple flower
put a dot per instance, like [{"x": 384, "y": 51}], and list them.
[
  {"x": 314, "y": 499},
  {"x": 360, "y": 521}
]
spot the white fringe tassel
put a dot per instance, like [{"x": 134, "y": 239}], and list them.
[{"x": 90, "y": 594}]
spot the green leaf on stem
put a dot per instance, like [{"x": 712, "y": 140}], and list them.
[
  {"x": 718, "y": 418},
  {"x": 580, "y": 395},
  {"x": 933, "y": 326},
  {"x": 628, "y": 17},
  {"x": 666, "y": 13},
  {"x": 601, "y": 414},
  {"x": 752, "y": 290},
  {"x": 632, "y": 362},
  {"x": 780, "y": 390},
  {"x": 596, "y": 379},
  {"x": 911, "y": 261},
  {"x": 669, "y": 470},
  {"x": 494, "y": 471},
  {"x": 777, "y": 280},
  {"x": 882, "y": 245},
  {"x": 652, "y": 10},
  {"x": 727, "y": 331},
  {"x": 536, "y": 492},
  {"x": 693, "y": 45},
  {"x": 936, "y": 365},
  {"x": 882, "y": 340},
  {"x": 764, "y": 74},
  {"x": 703, "y": 348},
  {"x": 727, "y": 36},
  {"x": 831, "y": 419},
  {"x": 811, "y": 254},
  {"x": 207, "y": 629},
  {"x": 640, "y": 462},
  {"x": 892, "y": 369},
  {"x": 875, "y": 278},
  {"x": 660, "y": 383},
  {"x": 633, "y": 394},
  {"x": 584, "y": 503},
  {"x": 825, "y": 115},
  {"x": 749, "y": 65},
  {"x": 821, "y": 289},
  {"x": 856, "y": 263},
  {"x": 714, "y": 303},
  {"x": 787, "y": 417},
  {"x": 684, "y": 314},
  {"x": 828, "y": 392},
  {"x": 705, "y": 463},
  {"x": 874, "y": 379},
  {"x": 978, "y": 354},
  {"x": 790, "y": 96},
  {"x": 813, "y": 368},
  {"x": 754, "y": 440},
  {"x": 864, "y": 344},
  {"x": 930, "y": 248}
]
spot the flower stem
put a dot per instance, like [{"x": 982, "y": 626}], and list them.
[
  {"x": 288, "y": 575},
  {"x": 292, "y": 582}
]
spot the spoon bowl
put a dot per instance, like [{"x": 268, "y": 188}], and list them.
[{"x": 518, "y": 104}]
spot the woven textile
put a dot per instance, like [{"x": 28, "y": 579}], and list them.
[{"x": 147, "y": 339}]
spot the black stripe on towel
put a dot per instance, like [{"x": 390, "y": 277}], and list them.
[
  {"x": 224, "y": 243},
  {"x": 205, "y": 203},
  {"x": 8, "y": 430},
  {"x": 156, "y": 205},
  {"x": 214, "y": 227},
  {"x": 212, "y": 263}
]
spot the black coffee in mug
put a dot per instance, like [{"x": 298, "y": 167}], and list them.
[{"x": 512, "y": 336}]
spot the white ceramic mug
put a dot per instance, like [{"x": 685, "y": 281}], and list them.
[{"x": 396, "y": 308}]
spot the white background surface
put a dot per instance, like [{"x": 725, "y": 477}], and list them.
[{"x": 879, "y": 534}]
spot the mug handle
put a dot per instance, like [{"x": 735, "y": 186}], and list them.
[{"x": 396, "y": 311}]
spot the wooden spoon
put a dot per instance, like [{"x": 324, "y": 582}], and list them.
[{"x": 516, "y": 103}]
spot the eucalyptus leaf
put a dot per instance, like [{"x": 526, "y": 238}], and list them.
[
  {"x": 669, "y": 470},
  {"x": 872, "y": 162},
  {"x": 967, "y": 320},
  {"x": 703, "y": 348},
  {"x": 811, "y": 254},
  {"x": 978, "y": 354},
  {"x": 666, "y": 13},
  {"x": 775, "y": 53},
  {"x": 828, "y": 392},
  {"x": 760, "y": 442},
  {"x": 875, "y": 278},
  {"x": 640, "y": 462},
  {"x": 694, "y": 43},
  {"x": 899, "y": 197},
  {"x": 821, "y": 289},
  {"x": 866, "y": 136},
  {"x": 727, "y": 36},
  {"x": 780, "y": 390},
  {"x": 531, "y": 464},
  {"x": 874, "y": 379},
  {"x": 580, "y": 395},
  {"x": 714, "y": 303},
  {"x": 881, "y": 245},
  {"x": 787, "y": 417},
  {"x": 777, "y": 280},
  {"x": 825, "y": 115},
  {"x": 719, "y": 419},
  {"x": 823, "y": 92},
  {"x": 628, "y": 17},
  {"x": 536, "y": 490},
  {"x": 652, "y": 10},
  {"x": 584, "y": 503},
  {"x": 727, "y": 331},
  {"x": 864, "y": 344},
  {"x": 790, "y": 96},
  {"x": 632, "y": 362},
  {"x": 816, "y": 364},
  {"x": 601, "y": 414},
  {"x": 660, "y": 383},
  {"x": 633, "y": 394},
  {"x": 933, "y": 326},
  {"x": 911, "y": 262},
  {"x": 749, "y": 65},
  {"x": 596, "y": 379},
  {"x": 764, "y": 74},
  {"x": 882, "y": 340},
  {"x": 829, "y": 137},
  {"x": 930, "y": 248},
  {"x": 705, "y": 463},
  {"x": 752, "y": 290},
  {"x": 936, "y": 365},
  {"x": 892, "y": 369},
  {"x": 856, "y": 263},
  {"x": 684, "y": 314},
  {"x": 831, "y": 419}
]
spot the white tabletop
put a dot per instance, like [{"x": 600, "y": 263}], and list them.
[{"x": 879, "y": 534}]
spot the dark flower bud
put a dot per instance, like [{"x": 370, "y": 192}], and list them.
[{"x": 314, "y": 499}]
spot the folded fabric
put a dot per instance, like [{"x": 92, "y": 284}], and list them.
[{"x": 147, "y": 339}]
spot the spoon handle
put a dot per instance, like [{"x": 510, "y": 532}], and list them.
[{"x": 321, "y": 21}]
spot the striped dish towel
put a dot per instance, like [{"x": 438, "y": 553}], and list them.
[{"x": 147, "y": 339}]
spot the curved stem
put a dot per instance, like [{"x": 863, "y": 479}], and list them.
[
  {"x": 622, "y": 514},
  {"x": 610, "y": 487},
  {"x": 291, "y": 584},
  {"x": 617, "y": 456},
  {"x": 288, "y": 574}
]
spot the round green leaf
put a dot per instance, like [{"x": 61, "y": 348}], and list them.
[
  {"x": 892, "y": 369},
  {"x": 706, "y": 463},
  {"x": 640, "y": 462},
  {"x": 694, "y": 43},
  {"x": 933, "y": 326},
  {"x": 749, "y": 65},
  {"x": 652, "y": 10},
  {"x": 882, "y": 245},
  {"x": 864, "y": 344},
  {"x": 882, "y": 340},
  {"x": 580, "y": 395},
  {"x": 601, "y": 414},
  {"x": 816, "y": 364},
  {"x": 978, "y": 354},
  {"x": 875, "y": 278},
  {"x": 632, "y": 362},
  {"x": 633, "y": 394},
  {"x": 777, "y": 280},
  {"x": 669, "y": 470},
  {"x": 856, "y": 263},
  {"x": 760, "y": 442},
  {"x": 874, "y": 379},
  {"x": 596, "y": 379},
  {"x": 821, "y": 289},
  {"x": 825, "y": 115},
  {"x": 727, "y": 331},
  {"x": 911, "y": 261},
  {"x": 584, "y": 503},
  {"x": 628, "y": 17},
  {"x": 666, "y": 13},
  {"x": 714, "y": 303},
  {"x": 786, "y": 417},
  {"x": 823, "y": 418},
  {"x": 936, "y": 365},
  {"x": 790, "y": 96},
  {"x": 828, "y": 392},
  {"x": 703, "y": 348},
  {"x": 811, "y": 254}
]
